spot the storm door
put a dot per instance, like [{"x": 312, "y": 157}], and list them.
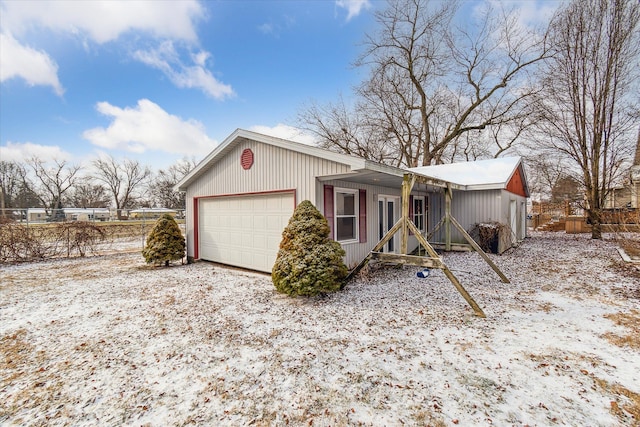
[{"x": 388, "y": 213}]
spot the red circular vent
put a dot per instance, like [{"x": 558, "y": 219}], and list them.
[{"x": 246, "y": 159}]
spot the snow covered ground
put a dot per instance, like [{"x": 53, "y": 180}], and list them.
[{"x": 109, "y": 341}]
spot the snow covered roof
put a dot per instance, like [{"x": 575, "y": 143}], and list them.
[{"x": 477, "y": 175}]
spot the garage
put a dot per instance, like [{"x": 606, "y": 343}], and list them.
[{"x": 244, "y": 230}]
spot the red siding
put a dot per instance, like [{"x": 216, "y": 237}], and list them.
[{"x": 516, "y": 185}]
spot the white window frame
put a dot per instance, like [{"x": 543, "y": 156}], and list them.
[
  {"x": 356, "y": 213},
  {"x": 423, "y": 214}
]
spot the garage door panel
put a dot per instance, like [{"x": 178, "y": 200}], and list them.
[{"x": 244, "y": 231}]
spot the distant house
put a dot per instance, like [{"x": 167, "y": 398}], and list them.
[
  {"x": 90, "y": 214},
  {"x": 36, "y": 214},
  {"x": 627, "y": 196},
  {"x": 68, "y": 214},
  {"x": 241, "y": 196},
  {"x": 151, "y": 213}
]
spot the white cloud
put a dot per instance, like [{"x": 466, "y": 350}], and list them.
[
  {"x": 528, "y": 14},
  {"x": 285, "y": 132},
  {"x": 266, "y": 28},
  {"x": 147, "y": 127},
  {"x": 166, "y": 59},
  {"x": 21, "y": 151},
  {"x": 105, "y": 20},
  {"x": 354, "y": 7},
  {"x": 35, "y": 67}
]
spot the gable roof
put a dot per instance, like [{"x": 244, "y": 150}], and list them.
[
  {"x": 480, "y": 174},
  {"x": 241, "y": 135},
  {"x": 364, "y": 171}
]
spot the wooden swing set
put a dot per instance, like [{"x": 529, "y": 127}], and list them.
[{"x": 405, "y": 225}]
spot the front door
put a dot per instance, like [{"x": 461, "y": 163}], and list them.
[{"x": 388, "y": 207}]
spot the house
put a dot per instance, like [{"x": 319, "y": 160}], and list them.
[
  {"x": 36, "y": 214},
  {"x": 86, "y": 214},
  {"x": 627, "y": 196},
  {"x": 151, "y": 213},
  {"x": 493, "y": 191},
  {"x": 241, "y": 196}
]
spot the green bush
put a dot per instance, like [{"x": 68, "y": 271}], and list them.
[
  {"x": 165, "y": 243},
  {"x": 309, "y": 263}
]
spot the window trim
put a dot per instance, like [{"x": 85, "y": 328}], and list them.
[
  {"x": 423, "y": 214},
  {"x": 356, "y": 213}
]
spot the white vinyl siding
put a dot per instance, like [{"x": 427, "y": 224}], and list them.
[{"x": 274, "y": 168}]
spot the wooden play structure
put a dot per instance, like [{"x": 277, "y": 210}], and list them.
[{"x": 405, "y": 225}]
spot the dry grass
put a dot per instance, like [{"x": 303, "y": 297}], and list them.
[
  {"x": 627, "y": 405},
  {"x": 111, "y": 341},
  {"x": 631, "y": 247},
  {"x": 631, "y": 321}
]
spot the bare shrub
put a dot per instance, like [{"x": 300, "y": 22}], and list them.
[
  {"x": 21, "y": 243},
  {"x": 78, "y": 237}
]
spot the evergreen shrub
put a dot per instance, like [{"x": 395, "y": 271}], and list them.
[
  {"x": 165, "y": 243},
  {"x": 309, "y": 263}
]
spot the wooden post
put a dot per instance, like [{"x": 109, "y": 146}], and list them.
[
  {"x": 408, "y": 181},
  {"x": 478, "y": 249},
  {"x": 376, "y": 248},
  {"x": 452, "y": 278},
  {"x": 436, "y": 228}
]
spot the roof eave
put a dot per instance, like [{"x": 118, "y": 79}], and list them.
[{"x": 355, "y": 163}]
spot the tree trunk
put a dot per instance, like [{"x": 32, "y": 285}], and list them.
[{"x": 595, "y": 217}]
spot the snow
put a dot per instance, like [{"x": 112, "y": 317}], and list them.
[
  {"x": 480, "y": 172},
  {"x": 108, "y": 340}
]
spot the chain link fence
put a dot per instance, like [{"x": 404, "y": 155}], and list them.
[{"x": 37, "y": 234}]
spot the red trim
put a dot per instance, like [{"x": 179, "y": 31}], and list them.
[
  {"x": 251, "y": 193},
  {"x": 328, "y": 207},
  {"x": 196, "y": 204},
  {"x": 196, "y": 230},
  {"x": 362, "y": 206},
  {"x": 516, "y": 184}
]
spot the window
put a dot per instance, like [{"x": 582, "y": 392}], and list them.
[
  {"x": 419, "y": 213},
  {"x": 346, "y": 214}
]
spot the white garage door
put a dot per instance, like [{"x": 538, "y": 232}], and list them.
[{"x": 244, "y": 231}]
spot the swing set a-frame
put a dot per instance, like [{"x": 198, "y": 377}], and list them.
[{"x": 405, "y": 225}]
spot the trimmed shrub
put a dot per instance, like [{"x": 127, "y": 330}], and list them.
[
  {"x": 309, "y": 263},
  {"x": 165, "y": 243}
]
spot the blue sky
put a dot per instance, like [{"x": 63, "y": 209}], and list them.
[{"x": 161, "y": 80}]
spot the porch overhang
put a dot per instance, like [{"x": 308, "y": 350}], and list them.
[{"x": 389, "y": 176}]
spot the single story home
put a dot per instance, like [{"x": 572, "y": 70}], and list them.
[
  {"x": 68, "y": 214},
  {"x": 151, "y": 213},
  {"x": 495, "y": 191},
  {"x": 241, "y": 196}
]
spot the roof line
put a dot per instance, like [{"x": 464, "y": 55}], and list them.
[{"x": 355, "y": 163}]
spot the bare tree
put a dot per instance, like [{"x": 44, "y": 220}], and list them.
[
  {"x": 431, "y": 82},
  {"x": 124, "y": 181},
  {"x": 588, "y": 110},
  {"x": 543, "y": 175},
  {"x": 161, "y": 187},
  {"x": 53, "y": 180},
  {"x": 349, "y": 131},
  {"x": 87, "y": 194},
  {"x": 11, "y": 177}
]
